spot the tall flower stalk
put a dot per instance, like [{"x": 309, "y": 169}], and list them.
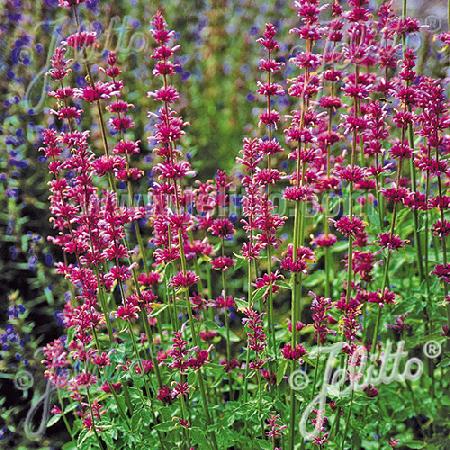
[
  {"x": 299, "y": 133},
  {"x": 172, "y": 170}
]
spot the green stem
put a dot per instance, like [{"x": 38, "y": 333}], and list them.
[
  {"x": 316, "y": 371},
  {"x": 227, "y": 326},
  {"x": 347, "y": 421},
  {"x": 270, "y": 300},
  {"x": 295, "y": 313},
  {"x": 119, "y": 408},
  {"x": 66, "y": 422},
  {"x": 149, "y": 335},
  {"x": 201, "y": 383},
  {"x": 186, "y": 434},
  {"x": 249, "y": 303},
  {"x": 138, "y": 357},
  {"x": 100, "y": 443}
]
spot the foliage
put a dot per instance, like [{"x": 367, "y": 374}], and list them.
[{"x": 200, "y": 314}]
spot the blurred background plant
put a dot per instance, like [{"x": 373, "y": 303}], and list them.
[{"x": 218, "y": 77}]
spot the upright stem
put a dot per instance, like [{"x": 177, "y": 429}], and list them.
[
  {"x": 295, "y": 310},
  {"x": 299, "y": 229},
  {"x": 249, "y": 303},
  {"x": 347, "y": 421},
  {"x": 269, "y": 255},
  {"x": 416, "y": 231},
  {"x": 193, "y": 327},
  {"x": 350, "y": 200},
  {"x": 387, "y": 262},
  {"x": 66, "y": 422},
  {"x": 91, "y": 82},
  {"x": 227, "y": 325},
  {"x": 100, "y": 443},
  {"x": 113, "y": 392},
  {"x": 270, "y": 300},
  {"x": 326, "y": 213}
]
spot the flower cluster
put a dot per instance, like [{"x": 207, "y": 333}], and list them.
[{"x": 178, "y": 308}]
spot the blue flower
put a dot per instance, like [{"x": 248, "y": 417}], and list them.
[{"x": 3, "y": 433}]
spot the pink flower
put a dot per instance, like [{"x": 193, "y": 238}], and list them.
[
  {"x": 224, "y": 302},
  {"x": 275, "y": 429},
  {"x": 207, "y": 335},
  {"x": 184, "y": 280},
  {"x": 362, "y": 264},
  {"x": 222, "y": 263},
  {"x": 269, "y": 118},
  {"x": 59, "y": 66},
  {"x": 386, "y": 298},
  {"x": 150, "y": 279},
  {"x": 270, "y": 146},
  {"x": 293, "y": 353},
  {"x": 405, "y": 26},
  {"x": 298, "y": 193},
  {"x": 330, "y": 102},
  {"x": 298, "y": 263},
  {"x": 255, "y": 334},
  {"x": 127, "y": 147},
  {"x": 70, "y": 3},
  {"x": 106, "y": 387},
  {"x": 265, "y": 177},
  {"x": 166, "y": 94},
  {"x": 69, "y": 112},
  {"x": 181, "y": 390},
  {"x": 222, "y": 228},
  {"x": 321, "y": 307},
  {"x": 165, "y": 395},
  {"x": 84, "y": 379},
  {"x": 81, "y": 39},
  {"x": 325, "y": 240},
  {"x": 442, "y": 271},
  {"x": 268, "y": 280},
  {"x": 347, "y": 226},
  {"x": 128, "y": 312},
  {"x": 100, "y": 91},
  {"x": 441, "y": 228},
  {"x": 147, "y": 365},
  {"x": 56, "y": 410},
  {"x": 390, "y": 241}
]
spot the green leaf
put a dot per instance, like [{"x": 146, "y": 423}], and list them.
[
  {"x": 49, "y": 296},
  {"x": 158, "y": 311},
  {"x": 282, "y": 370},
  {"x": 414, "y": 444},
  {"x": 165, "y": 426},
  {"x": 54, "y": 420},
  {"x": 264, "y": 445},
  {"x": 284, "y": 284},
  {"x": 339, "y": 247},
  {"x": 70, "y": 407},
  {"x": 198, "y": 437},
  {"x": 258, "y": 294},
  {"x": 240, "y": 262},
  {"x": 241, "y": 303}
]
